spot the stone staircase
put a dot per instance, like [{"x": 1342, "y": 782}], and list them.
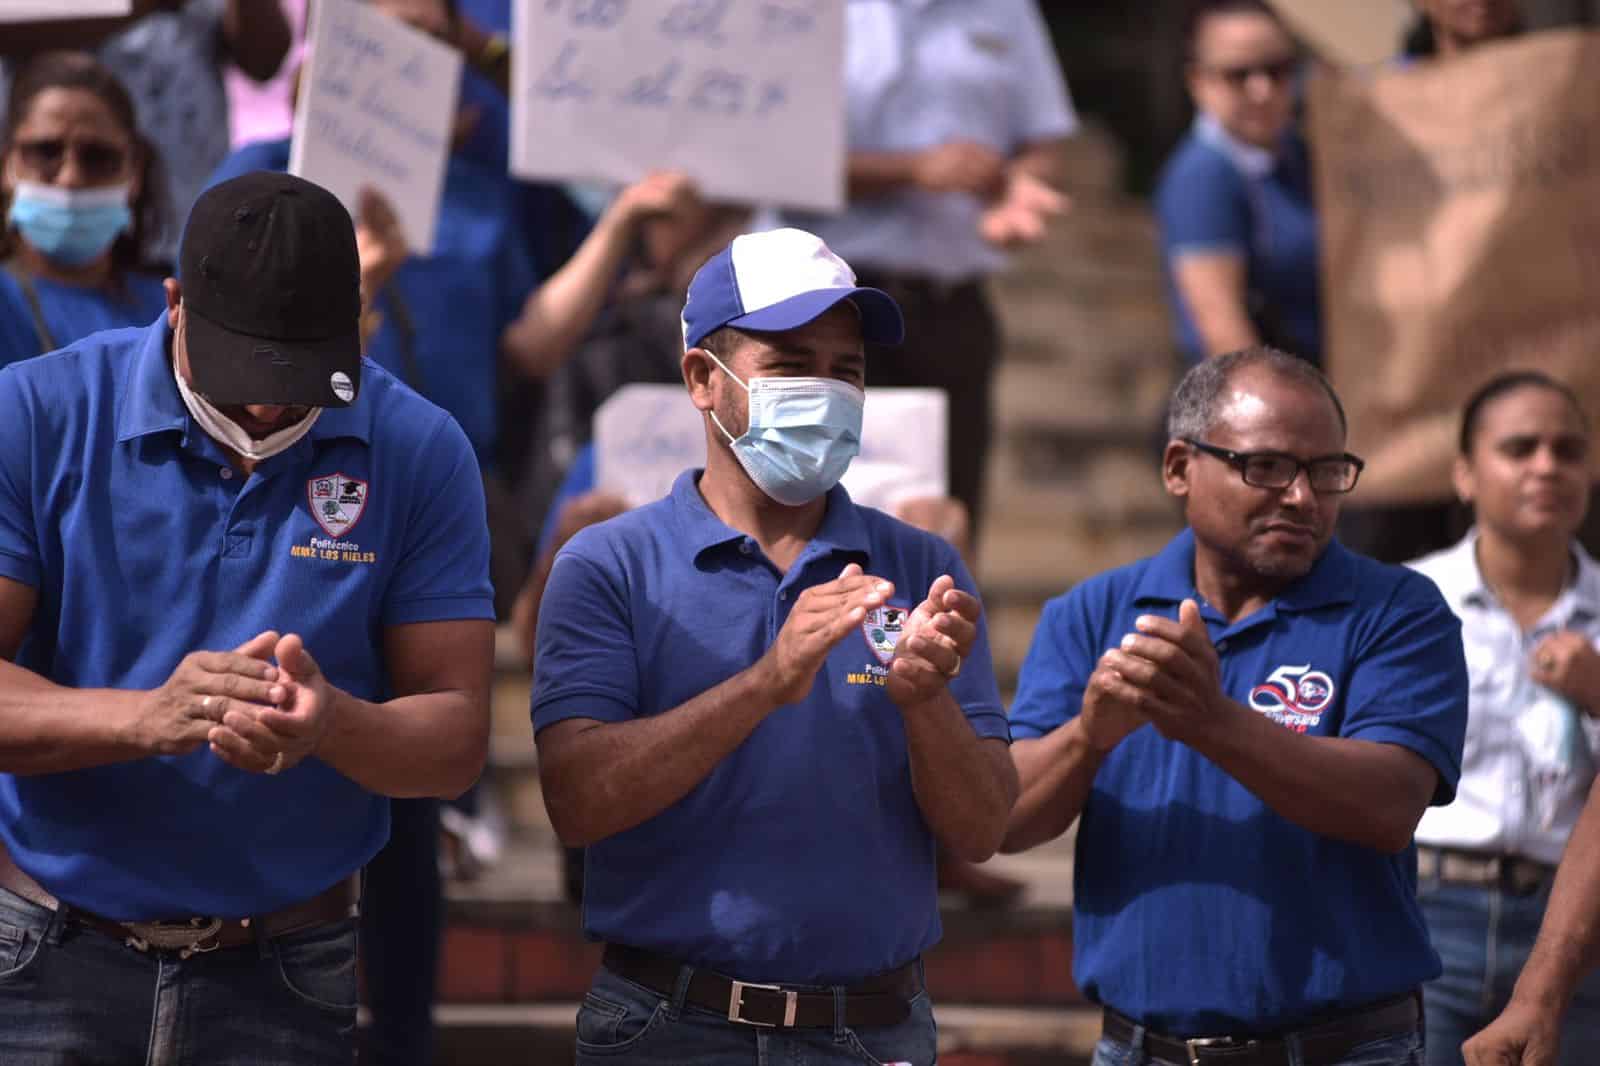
[
  {"x": 1075, "y": 489},
  {"x": 1074, "y": 479}
]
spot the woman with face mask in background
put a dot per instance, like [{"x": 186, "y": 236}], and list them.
[{"x": 78, "y": 196}]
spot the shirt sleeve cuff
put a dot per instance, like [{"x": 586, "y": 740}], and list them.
[
  {"x": 1422, "y": 745},
  {"x": 19, "y": 569},
  {"x": 585, "y": 703},
  {"x": 439, "y": 609},
  {"x": 989, "y": 723}
]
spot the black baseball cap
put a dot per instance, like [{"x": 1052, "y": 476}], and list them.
[{"x": 272, "y": 293}]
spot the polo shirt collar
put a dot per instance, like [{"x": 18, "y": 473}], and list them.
[
  {"x": 1252, "y": 160},
  {"x": 842, "y": 531},
  {"x": 1169, "y": 579},
  {"x": 149, "y": 402}
]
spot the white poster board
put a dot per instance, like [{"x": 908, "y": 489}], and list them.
[
  {"x": 646, "y": 435},
  {"x": 34, "y": 10},
  {"x": 744, "y": 96},
  {"x": 377, "y": 106}
]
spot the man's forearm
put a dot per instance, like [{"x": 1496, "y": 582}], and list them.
[
  {"x": 871, "y": 174},
  {"x": 429, "y": 744},
  {"x": 47, "y": 728},
  {"x": 965, "y": 792},
  {"x": 1569, "y": 936},
  {"x": 1056, "y": 772},
  {"x": 257, "y": 35},
  {"x": 611, "y": 777},
  {"x": 1357, "y": 791}
]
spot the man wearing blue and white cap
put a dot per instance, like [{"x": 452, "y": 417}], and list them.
[{"x": 763, "y": 708}]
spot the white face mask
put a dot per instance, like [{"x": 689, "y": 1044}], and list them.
[{"x": 230, "y": 434}]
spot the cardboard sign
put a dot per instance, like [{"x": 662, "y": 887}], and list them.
[
  {"x": 744, "y": 96},
  {"x": 38, "y": 10},
  {"x": 377, "y": 105},
  {"x": 646, "y": 435},
  {"x": 1349, "y": 32},
  {"x": 1460, "y": 238}
]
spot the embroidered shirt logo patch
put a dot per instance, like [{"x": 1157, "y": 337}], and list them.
[
  {"x": 337, "y": 502},
  {"x": 1294, "y": 695},
  {"x": 882, "y": 627}
]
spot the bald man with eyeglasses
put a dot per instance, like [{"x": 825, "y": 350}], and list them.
[{"x": 1246, "y": 727}]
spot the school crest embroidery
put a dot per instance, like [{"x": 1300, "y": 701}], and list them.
[
  {"x": 882, "y": 627},
  {"x": 337, "y": 501}
]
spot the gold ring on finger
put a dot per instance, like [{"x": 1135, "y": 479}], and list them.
[
  {"x": 956, "y": 671},
  {"x": 277, "y": 764}
]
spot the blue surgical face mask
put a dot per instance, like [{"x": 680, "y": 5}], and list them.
[
  {"x": 70, "y": 226},
  {"x": 802, "y": 434}
]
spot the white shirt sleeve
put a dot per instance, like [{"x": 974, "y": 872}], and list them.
[{"x": 1043, "y": 104}]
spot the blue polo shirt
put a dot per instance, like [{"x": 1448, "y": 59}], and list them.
[
  {"x": 803, "y": 857},
  {"x": 1218, "y": 194},
  {"x": 145, "y": 544},
  {"x": 458, "y": 297},
  {"x": 1197, "y": 909},
  {"x": 73, "y": 311}
]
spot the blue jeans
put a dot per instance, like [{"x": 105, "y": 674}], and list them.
[
  {"x": 1403, "y": 1050},
  {"x": 71, "y": 995},
  {"x": 1484, "y": 935},
  {"x": 622, "y": 1022}
]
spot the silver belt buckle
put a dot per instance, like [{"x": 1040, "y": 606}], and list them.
[
  {"x": 736, "y": 1004},
  {"x": 1196, "y": 1047},
  {"x": 186, "y": 938}
]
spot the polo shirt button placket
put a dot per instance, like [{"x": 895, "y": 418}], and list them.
[{"x": 227, "y": 473}]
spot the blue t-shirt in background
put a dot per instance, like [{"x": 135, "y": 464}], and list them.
[
  {"x": 1217, "y": 194},
  {"x": 1197, "y": 909},
  {"x": 803, "y": 856},
  {"x": 457, "y": 298},
  {"x": 72, "y": 312},
  {"x": 145, "y": 544}
]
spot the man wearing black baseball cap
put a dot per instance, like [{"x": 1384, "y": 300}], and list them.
[{"x": 188, "y": 513}]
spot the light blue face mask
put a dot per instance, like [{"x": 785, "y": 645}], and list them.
[
  {"x": 802, "y": 435},
  {"x": 70, "y": 226}
]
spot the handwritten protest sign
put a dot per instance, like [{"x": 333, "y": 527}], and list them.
[
  {"x": 29, "y": 10},
  {"x": 646, "y": 435},
  {"x": 744, "y": 96},
  {"x": 377, "y": 104},
  {"x": 1461, "y": 237}
]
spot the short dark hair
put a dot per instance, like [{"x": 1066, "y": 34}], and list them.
[
  {"x": 79, "y": 70},
  {"x": 1193, "y": 409},
  {"x": 1201, "y": 10},
  {"x": 1509, "y": 382}
]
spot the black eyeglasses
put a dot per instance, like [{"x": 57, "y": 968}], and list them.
[
  {"x": 1278, "y": 470},
  {"x": 1277, "y": 71},
  {"x": 97, "y": 160}
]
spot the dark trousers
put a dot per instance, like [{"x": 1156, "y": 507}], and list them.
[
  {"x": 402, "y": 917},
  {"x": 952, "y": 343}
]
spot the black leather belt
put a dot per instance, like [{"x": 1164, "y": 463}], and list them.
[
  {"x": 1320, "y": 1045},
  {"x": 191, "y": 936},
  {"x": 881, "y": 1000},
  {"x": 1509, "y": 873}
]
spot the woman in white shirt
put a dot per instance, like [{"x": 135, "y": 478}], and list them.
[{"x": 1529, "y": 601}]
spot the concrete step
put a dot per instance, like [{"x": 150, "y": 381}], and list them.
[{"x": 542, "y": 1033}]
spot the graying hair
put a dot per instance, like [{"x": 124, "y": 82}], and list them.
[{"x": 1196, "y": 401}]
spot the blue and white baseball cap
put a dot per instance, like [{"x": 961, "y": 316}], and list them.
[{"x": 781, "y": 279}]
